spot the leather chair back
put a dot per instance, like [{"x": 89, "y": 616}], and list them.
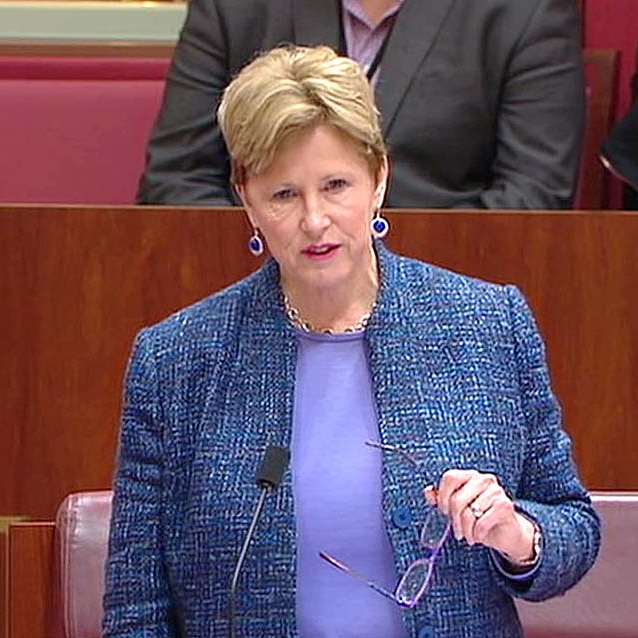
[
  {"x": 601, "y": 74},
  {"x": 82, "y": 526},
  {"x": 604, "y": 603},
  {"x": 73, "y": 130}
]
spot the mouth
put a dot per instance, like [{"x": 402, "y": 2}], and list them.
[{"x": 320, "y": 251}]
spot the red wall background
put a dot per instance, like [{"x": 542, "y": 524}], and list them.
[{"x": 613, "y": 24}]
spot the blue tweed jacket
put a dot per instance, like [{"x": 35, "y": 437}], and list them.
[{"x": 459, "y": 378}]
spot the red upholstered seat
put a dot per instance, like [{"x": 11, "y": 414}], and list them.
[
  {"x": 74, "y": 130},
  {"x": 82, "y": 525},
  {"x": 602, "y": 605}
]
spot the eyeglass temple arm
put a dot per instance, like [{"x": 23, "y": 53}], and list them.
[
  {"x": 351, "y": 572},
  {"x": 391, "y": 448}
]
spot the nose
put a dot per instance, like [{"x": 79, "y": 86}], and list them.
[{"x": 314, "y": 218}]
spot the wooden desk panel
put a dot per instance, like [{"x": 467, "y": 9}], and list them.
[
  {"x": 76, "y": 284},
  {"x": 31, "y": 582}
]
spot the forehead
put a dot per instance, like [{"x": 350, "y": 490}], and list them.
[{"x": 320, "y": 150}]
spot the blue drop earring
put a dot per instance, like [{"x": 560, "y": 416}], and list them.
[
  {"x": 256, "y": 244},
  {"x": 379, "y": 226}
]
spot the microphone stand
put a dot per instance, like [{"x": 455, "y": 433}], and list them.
[
  {"x": 240, "y": 561},
  {"x": 269, "y": 476}
]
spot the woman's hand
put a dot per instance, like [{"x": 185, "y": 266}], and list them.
[{"x": 481, "y": 512}]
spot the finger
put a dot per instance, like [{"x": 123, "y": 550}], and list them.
[
  {"x": 430, "y": 494},
  {"x": 451, "y": 482},
  {"x": 468, "y": 493},
  {"x": 481, "y": 514},
  {"x": 467, "y": 522},
  {"x": 463, "y": 505},
  {"x": 491, "y": 510}
]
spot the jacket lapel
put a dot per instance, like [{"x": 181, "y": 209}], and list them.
[
  {"x": 409, "y": 350},
  {"x": 414, "y": 33},
  {"x": 316, "y": 22}
]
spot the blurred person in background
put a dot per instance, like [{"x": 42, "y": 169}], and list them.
[
  {"x": 482, "y": 103},
  {"x": 620, "y": 150}
]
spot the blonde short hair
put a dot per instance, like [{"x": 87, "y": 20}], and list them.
[{"x": 289, "y": 90}]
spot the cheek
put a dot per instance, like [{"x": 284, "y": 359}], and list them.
[
  {"x": 279, "y": 235},
  {"x": 364, "y": 218}
]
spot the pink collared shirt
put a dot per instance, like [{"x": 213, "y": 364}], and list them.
[{"x": 364, "y": 37}]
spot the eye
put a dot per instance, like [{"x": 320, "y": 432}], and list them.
[
  {"x": 284, "y": 195},
  {"x": 336, "y": 184}
]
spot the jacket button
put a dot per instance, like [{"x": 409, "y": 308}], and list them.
[
  {"x": 401, "y": 516},
  {"x": 426, "y": 632}
]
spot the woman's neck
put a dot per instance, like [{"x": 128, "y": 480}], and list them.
[{"x": 330, "y": 309}]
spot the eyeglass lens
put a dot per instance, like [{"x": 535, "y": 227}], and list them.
[
  {"x": 414, "y": 582},
  {"x": 417, "y": 578},
  {"x": 436, "y": 528}
]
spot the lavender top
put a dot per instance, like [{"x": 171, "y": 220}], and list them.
[{"x": 337, "y": 493}]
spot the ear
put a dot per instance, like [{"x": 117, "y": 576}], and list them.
[
  {"x": 240, "y": 189},
  {"x": 382, "y": 183}
]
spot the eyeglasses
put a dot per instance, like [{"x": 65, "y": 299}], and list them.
[{"x": 418, "y": 576}]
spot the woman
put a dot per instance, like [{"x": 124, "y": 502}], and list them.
[{"x": 333, "y": 344}]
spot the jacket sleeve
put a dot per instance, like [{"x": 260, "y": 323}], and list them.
[
  {"x": 187, "y": 162},
  {"x": 137, "y": 602},
  {"x": 541, "y": 114},
  {"x": 550, "y": 491}
]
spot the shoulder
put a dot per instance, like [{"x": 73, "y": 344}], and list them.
[
  {"x": 234, "y": 30},
  {"x": 520, "y": 9},
  {"x": 250, "y": 21},
  {"x": 418, "y": 293},
  {"x": 509, "y": 21},
  {"x": 425, "y": 308},
  {"x": 420, "y": 279},
  {"x": 244, "y": 9},
  {"x": 211, "y": 324}
]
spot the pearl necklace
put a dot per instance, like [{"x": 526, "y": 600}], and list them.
[{"x": 303, "y": 324}]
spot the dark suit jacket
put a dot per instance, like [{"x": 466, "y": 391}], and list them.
[
  {"x": 481, "y": 100},
  {"x": 620, "y": 149}
]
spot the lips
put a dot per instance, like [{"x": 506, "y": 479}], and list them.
[{"x": 320, "y": 250}]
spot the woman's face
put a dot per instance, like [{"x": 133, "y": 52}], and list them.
[{"x": 313, "y": 206}]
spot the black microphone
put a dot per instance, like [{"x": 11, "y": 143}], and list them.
[{"x": 269, "y": 476}]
